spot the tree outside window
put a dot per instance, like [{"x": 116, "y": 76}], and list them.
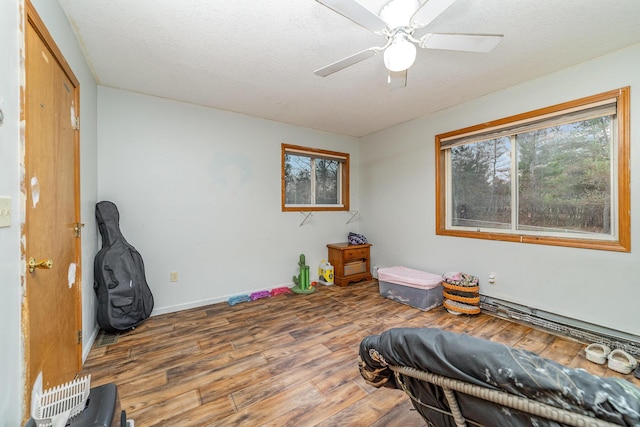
[
  {"x": 314, "y": 179},
  {"x": 556, "y": 176}
]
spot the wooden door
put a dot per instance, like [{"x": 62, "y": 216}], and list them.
[{"x": 52, "y": 307}]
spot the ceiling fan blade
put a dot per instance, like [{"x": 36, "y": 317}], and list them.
[
  {"x": 348, "y": 61},
  {"x": 397, "y": 79},
  {"x": 481, "y": 43},
  {"x": 429, "y": 11},
  {"x": 357, "y": 13}
]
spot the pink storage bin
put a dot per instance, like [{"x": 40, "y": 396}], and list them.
[{"x": 416, "y": 288}]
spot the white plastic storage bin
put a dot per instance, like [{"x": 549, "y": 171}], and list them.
[{"x": 416, "y": 288}]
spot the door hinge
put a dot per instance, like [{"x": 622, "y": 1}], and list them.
[
  {"x": 79, "y": 337},
  {"x": 77, "y": 228},
  {"x": 76, "y": 123}
]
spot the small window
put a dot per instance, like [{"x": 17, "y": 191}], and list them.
[
  {"x": 314, "y": 180},
  {"x": 556, "y": 176}
]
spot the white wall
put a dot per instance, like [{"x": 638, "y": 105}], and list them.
[
  {"x": 11, "y": 155},
  {"x": 198, "y": 192},
  {"x": 398, "y": 206}
]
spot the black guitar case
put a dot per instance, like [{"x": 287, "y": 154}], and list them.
[{"x": 124, "y": 297}]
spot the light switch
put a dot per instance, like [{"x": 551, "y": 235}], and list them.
[{"x": 5, "y": 212}]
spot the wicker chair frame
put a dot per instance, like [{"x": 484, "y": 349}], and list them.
[{"x": 449, "y": 385}]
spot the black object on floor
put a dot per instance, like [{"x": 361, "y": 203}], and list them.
[
  {"x": 124, "y": 297},
  {"x": 102, "y": 410}
]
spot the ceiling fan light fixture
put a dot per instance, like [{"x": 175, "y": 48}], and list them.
[
  {"x": 397, "y": 13},
  {"x": 400, "y": 55}
]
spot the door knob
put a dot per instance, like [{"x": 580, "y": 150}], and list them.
[{"x": 44, "y": 264}]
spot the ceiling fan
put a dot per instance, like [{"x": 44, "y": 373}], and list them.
[{"x": 403, "y": 23}]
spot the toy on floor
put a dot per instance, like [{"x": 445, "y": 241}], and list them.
[
  {"x": 302, "y": 280},
  {"x": 260, "y": 294},
  {"x": 278, "y": 291},
  {"x": 238, "y": 298}
]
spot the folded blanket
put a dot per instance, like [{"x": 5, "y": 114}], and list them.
[{"x": 460, "y": 279}]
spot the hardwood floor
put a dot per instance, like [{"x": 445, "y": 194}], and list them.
[{"x": 289, "y": 360}]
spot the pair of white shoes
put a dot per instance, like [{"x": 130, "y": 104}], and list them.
[{"x": 619, "y": 360}]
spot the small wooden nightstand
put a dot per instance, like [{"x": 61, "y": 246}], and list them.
[{"x": 351, "y": 263}]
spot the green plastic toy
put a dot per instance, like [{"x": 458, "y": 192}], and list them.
[{"x": 302, "y": 280}]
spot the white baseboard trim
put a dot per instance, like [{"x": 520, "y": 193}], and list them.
[
  {"x": 204, "y": 302},
  {"x": 86, "y": 346}
]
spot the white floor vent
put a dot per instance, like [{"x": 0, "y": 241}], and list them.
[{"x": 571, "y": 328}]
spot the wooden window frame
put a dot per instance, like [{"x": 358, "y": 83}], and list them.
[
  {"x": 344, "y": 178},
  {"x": 623, "y": 219}
]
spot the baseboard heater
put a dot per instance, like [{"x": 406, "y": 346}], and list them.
[{"x": 559, "y": 325}]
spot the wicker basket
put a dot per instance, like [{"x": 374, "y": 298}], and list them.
[
  {"x": 455, "y": 307},
  {"x": 469, "y": 289},
  {"x": 471, "y": 300},
  {"x": 461, "y": 293}
]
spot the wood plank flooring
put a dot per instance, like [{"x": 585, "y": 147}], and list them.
[{"x": 289, "y": 360}]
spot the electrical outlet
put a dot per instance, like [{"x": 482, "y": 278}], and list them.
[
  {"x": 174, "y": 276},
  {"x": 492, "y": 278}
]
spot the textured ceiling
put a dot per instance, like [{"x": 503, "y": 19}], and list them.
[{"x": 258, "y": 57}]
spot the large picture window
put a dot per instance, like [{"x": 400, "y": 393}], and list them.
[
  {"x": 557, "y": 176},
  {"x": 314, "y": 179}
]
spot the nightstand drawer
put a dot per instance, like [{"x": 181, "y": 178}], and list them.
[
  {"x": 357, "y": 253},
  {"x": 355, "y": 268}
]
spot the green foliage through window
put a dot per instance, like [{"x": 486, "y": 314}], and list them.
[
  {"x": 555, "y": 176},
  {"x": 314, "y": 179}
]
